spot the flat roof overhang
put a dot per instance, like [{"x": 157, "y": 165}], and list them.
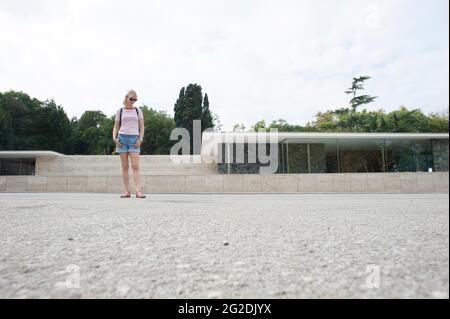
[
  {"x": 28, "y": 154},
  {"x": 365, "y": 136}
]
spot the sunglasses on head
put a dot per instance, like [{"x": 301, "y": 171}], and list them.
[{"x": 132, "y": 99}]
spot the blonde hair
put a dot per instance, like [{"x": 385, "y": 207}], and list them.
[{"x": 130, "y": 92}]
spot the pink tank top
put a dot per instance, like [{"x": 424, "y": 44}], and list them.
[{"x": 130, "y": 121}]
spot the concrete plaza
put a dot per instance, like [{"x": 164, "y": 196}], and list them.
[{"x": 224, "y": 246}]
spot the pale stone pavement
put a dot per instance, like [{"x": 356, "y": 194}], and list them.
[{"x": 224, "y": 246}]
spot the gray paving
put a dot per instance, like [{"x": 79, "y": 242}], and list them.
[{"x": 224, "y": 246}]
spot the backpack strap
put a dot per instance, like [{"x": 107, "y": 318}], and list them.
[
  {"x": 120, "y": 118},
  {"x": 139, "y": 123}
]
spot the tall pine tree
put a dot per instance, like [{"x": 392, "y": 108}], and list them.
[
  {"x": 189, "y": 108},
  {"x": 207, "y": 120},
  {"x": 179, "y": 109}
]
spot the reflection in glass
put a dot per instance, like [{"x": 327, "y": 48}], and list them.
[
  {"x": 298, "y": 158},
  {"x": 346, "y": 155},
  {"x": 409, "y": 155},
  {"x": 361, "y": 156},
  {"x": 323, "y": 157},
  {"x": 15, "y": 166},
  {"x": 312, "y": 156},
  {"x": 440, "y": 155}
]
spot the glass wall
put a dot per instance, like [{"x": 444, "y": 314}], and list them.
[
  {"x": 17, "y": 166},
  {"x": 364, "y": 156},
  {"x": 312, "y": 156},
  {"x": 323, "y": 157},
  {"x": 244, "y": 159},
  {"x": 298, "y": 158},
  {"x": 409, "y": 155},
  {"x": 282, "y": 159},
  {"x": 361, "y": 156},
  {"x": 440, "y": 155},
  {"x": 302, "y": 156}
]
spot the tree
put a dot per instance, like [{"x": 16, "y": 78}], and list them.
[
  {"x": 357, "y": 85},
  {"x": 404, "y": 121},
  {"x": 216, "y": 122},
  {"x": 17, "y": 120},
  {"x": 158, "y": 126},
  {"x": 239, "y": 127},
  {"x": 207, "y": 119},
  {"x": 438, "y": 122},
  {"x": 77, "y": 145},
  {"x": 260, "y": 125},
  {"x": 326, "y": 121},
  {"x": 188, "y": 108},
  {"x": 345, "y": 120},
  {"x": 89, "y": 132},
  {"x": 179, "y": 110},
  {"x": 106, "y": 142},
  {"x": 51, "y": 128}
]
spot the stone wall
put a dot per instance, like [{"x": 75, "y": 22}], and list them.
[
  {"x": 110, "y": 165},
  {"x": 277, "y": 183}
]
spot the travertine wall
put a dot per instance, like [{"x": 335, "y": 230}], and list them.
[
  {"x": 99, "y": 165},
  {"x": 279, "y": 183}
]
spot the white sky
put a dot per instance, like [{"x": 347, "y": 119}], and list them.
[{"x": 256, "y": 59}]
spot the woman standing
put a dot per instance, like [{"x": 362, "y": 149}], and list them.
[{"x": 129, "y": 123}]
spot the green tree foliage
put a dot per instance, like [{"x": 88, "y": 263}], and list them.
[
  {"x": 158, "y": 126},
  {"x": 79, "y": 147},
  {"x": 282, "y": 126},
  {"x": 358, "y": 85},
  {"x": 51, "y": 128},
  {"x": 239, "y": 127},
  {"x": 402, "y": 120},
  {"x": 438, "y": 122},
  {"x": 106, "y": 143},
  {"x": 260, "y": 125},
  {"x": 90, "y": 133},
  {"x": 180, "y": 109},
  {"x": 207, "y": 119},
  {"x": 16, "y": 114},
  {"x": 217, "y": 124},
  {"x": 29, "y": 124},
  {"x": 191, "y": 106}
]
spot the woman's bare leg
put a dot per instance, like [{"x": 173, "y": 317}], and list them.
[
  {"x": 125, "y": 166},
  {"x": 135, "y": 168}
]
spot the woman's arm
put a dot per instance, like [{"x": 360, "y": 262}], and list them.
[
  {"x": 141, "y": 129},
  {"x": 114, "y": 133}
]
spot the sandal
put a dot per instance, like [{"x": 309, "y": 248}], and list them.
[
  {"x": 126, "y": 195},
  {"x": 140, "y": 195}
]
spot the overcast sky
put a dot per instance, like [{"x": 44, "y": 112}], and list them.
[{"x": 256, "y": 59}]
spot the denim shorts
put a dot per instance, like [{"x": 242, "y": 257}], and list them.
[{"x": 127, "y": 144}]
